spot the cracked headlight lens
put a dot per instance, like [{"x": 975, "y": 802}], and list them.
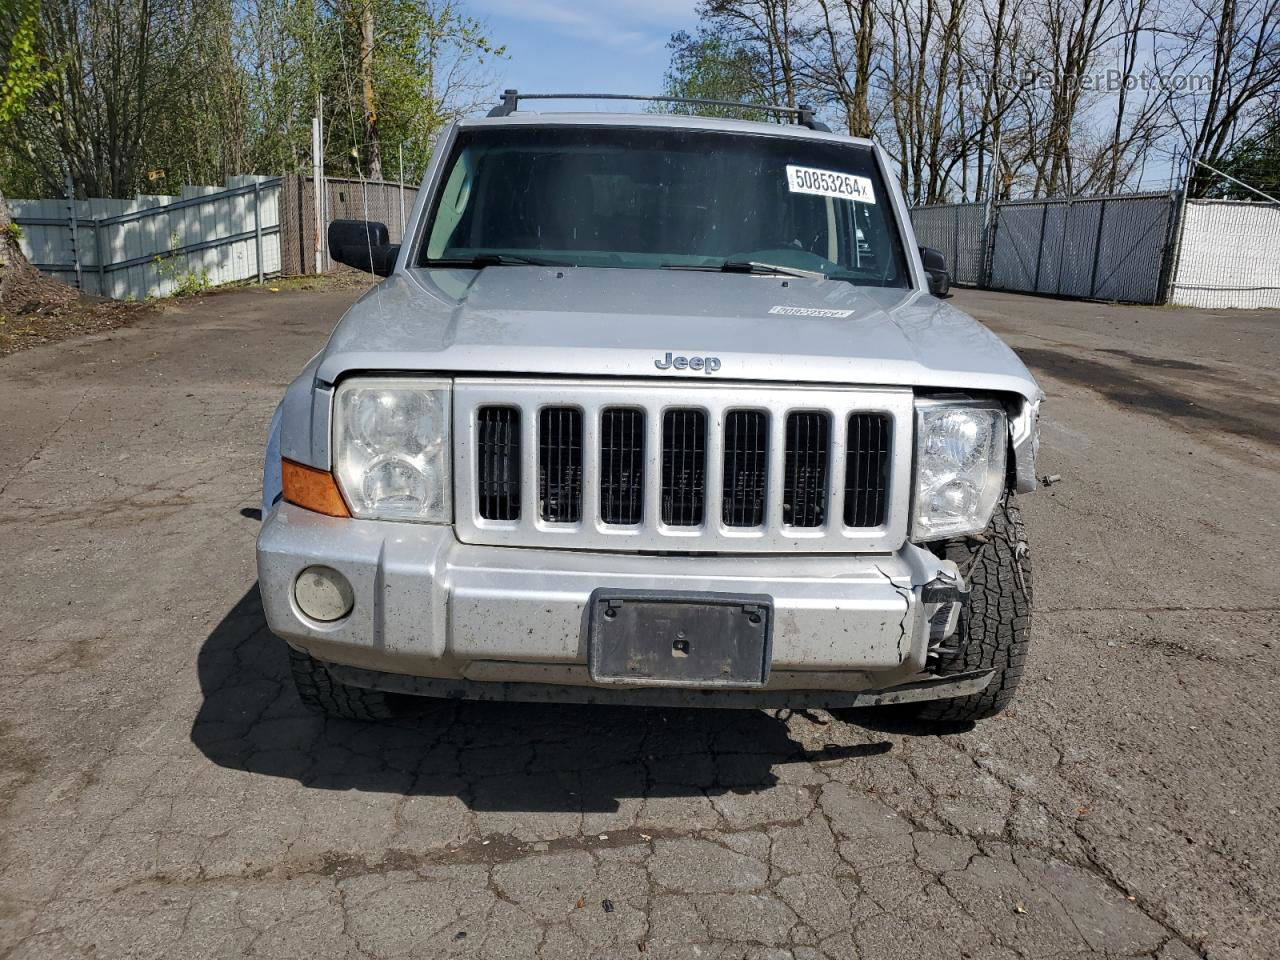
[
  {"x": 391, "y": 448},
  {"x": 960, "y": 456}
]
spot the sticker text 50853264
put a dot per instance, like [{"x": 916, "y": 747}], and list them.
[{"x": 829, "y": 183}]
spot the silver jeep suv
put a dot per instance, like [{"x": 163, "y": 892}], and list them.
[{"x": 652, "y": 409}]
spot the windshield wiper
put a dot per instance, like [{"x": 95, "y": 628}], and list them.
[
  {"x": 495, "y": 260},
  {"x": 755, "y": 266},
  {"x": 748, "y": 266}
]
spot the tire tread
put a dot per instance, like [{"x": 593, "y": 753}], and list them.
[
  {"x": 318, "y": 690},
  {"x": 996, "y": 621}
]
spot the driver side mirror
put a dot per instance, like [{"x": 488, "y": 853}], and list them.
[
  {"x": 363, "y": 244},
  {"x": 935, "y": 265}
]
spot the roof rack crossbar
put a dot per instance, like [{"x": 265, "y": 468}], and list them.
[{"x": 803, "y": 113}]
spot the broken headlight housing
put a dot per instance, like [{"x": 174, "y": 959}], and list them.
[
  {"x": 391, "y": 448},
  {"x": 959, "y": 474}
]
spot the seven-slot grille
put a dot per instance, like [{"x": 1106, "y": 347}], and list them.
[{"x": 631, "y": 467}]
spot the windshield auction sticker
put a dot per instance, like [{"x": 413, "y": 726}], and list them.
[{"x": 828, "y": 183}]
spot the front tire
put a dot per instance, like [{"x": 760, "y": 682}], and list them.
[
  {"x": 995, "y": 622},
  {"x": 318, "y": 690}
]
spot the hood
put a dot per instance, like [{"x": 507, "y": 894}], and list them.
[{"x": 594, "y": 322}]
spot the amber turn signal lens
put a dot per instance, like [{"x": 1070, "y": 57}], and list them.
[{"x": 313, "y": 489}]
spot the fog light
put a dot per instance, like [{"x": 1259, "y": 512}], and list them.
[{"x": 323, "y": 594}]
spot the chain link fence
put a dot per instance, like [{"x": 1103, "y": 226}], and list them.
[
  {"x": 383, "y": 200},
  {"x": 959, "y": 231},
  {"x": 1135, "y": 248},
  {"x": 1098, "y": 248}
]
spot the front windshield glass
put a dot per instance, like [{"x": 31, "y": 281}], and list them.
[{"x": 644, "y": 197}]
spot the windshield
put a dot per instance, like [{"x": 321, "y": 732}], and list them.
[{"x": 679, "y": 199}]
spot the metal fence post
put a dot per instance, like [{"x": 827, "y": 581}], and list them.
[
  {"x": 1062, "y": 247},
  {"x": 74, "y": 222},
  {"x": 401, "y": 190},
  {"x": 1097, "y": 248},
  {"x": 100, "y": 256},
  {"x": 317, "y": 185},
  {"x": 986, "y": 266},
  {"x": 257, "y": 224},
  {"x": 1180, "y": 218},
  {"x": 1044, "y": 215}
]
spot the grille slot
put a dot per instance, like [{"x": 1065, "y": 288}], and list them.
[
  {"x": 560, "y": 464},
  {"x": 866, "y": 478},
  {"x": 621, "y": 466},
  {"x": 746, "y": 466},
  {"x": 804, "y": 474},
  {"x": 498, "y": 462},
  {"x": 684, "y": 467}
]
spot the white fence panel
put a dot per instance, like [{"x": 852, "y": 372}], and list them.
[
  {"x": 1229, "y": 256},
  {"x": 150, "y": 246}
]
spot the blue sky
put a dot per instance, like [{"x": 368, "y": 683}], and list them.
[{"x": 606, "y": 46}]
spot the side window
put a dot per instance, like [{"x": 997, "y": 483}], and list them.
[{"x": 453, "y": 205}]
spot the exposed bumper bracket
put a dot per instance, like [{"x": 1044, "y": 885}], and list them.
[{"x": 930, "y": 688}]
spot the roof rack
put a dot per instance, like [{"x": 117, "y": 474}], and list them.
[{"x": 803, "y": 113}]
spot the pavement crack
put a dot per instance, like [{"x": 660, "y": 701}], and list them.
[{"x": 49, "y": 438}]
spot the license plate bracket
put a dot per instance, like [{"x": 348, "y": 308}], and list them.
[{"x": 675, "y": 639}]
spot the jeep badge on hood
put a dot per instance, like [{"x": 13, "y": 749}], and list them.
[{"x": 708, "y": 365}]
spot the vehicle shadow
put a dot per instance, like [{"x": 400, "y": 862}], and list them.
[{"x": 493, "y": 756}]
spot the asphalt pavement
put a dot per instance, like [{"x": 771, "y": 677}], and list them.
[{"x": 164, "y": 794}]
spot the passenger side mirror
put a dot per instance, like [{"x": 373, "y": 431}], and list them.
[
  {"x": 363, "y": 244},
  {"x": 935, "y": 265}
]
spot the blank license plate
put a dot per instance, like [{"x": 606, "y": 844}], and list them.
[{"x": 680, "y": 639}]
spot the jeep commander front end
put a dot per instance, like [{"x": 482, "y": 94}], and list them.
[{"x": 652, "y": 409}]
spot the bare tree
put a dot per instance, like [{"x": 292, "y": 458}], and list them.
[
  {"x": 921, "y": 80},
  {"x": 1221, "y": 76},
  {"x": 994, "y": 63},
  {"x": 842, "y": 63},
  {"x": 1075, "y": 34},
  {"x": 1133, "y": 23},
  {"x": 772, "y": 28},
  {"x": 365, "y": 68},
  {"x": 978, "y": 98}
]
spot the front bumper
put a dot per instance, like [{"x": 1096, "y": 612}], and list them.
[{"x": 481, "y": 620}]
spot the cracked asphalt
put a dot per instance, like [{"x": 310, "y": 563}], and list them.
[{"x": 163, "y": 793}]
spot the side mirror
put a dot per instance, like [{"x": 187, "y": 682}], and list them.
[
  {"x": 935, "y": 265},
  {"x": 363, "y": 244}
]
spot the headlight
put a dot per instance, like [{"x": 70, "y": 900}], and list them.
[
  {"x": 960, "y": 450},
  {"x": 391, "y": 448}
]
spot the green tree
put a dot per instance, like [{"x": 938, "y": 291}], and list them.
[
  {"x": 405, "y": 68},
  {"x": 144, "y": 95},
  {"x": 706, "y": 65},
  {"x": 21, "y": 76},
  {"x": 1255, "y": 161}
]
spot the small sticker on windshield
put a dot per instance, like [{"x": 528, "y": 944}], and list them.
[
  {"x": 829, "y": 183},
  {"x": 811, "y": 312}
]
